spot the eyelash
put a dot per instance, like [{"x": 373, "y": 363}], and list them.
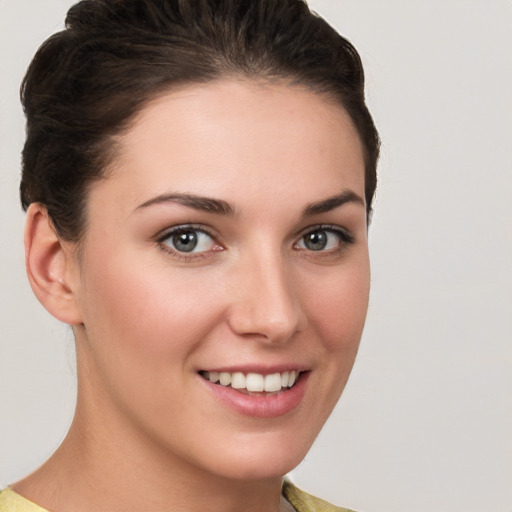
[
  {"x": 345, "y": 239},
  {"x": 344, "y": 236},
  {"x": 184, "y": 228}
]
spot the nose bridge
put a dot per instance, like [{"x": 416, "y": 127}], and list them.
[{"x": 266, "y": 303}]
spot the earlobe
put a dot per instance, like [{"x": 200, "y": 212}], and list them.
[{"x": 50, "y": 265}]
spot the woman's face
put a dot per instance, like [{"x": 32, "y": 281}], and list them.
[{"x": 229, "y": 242}]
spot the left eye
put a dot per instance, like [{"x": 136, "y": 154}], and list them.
[
  {"x": 188, "y": 240},
  {"x": 321, "y": 240}
]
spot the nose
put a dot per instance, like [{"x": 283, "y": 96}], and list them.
[{"x": 265, "y": 303}]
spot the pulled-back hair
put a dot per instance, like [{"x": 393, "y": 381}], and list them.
[{"x": 87, "y": 82}]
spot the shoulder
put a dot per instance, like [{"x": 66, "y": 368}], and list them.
[
  {"x": 304, "y": 502},
  {"x": 11, "y": 501}
]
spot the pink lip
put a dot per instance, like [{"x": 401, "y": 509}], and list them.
[{"x": 264, "y": 406}]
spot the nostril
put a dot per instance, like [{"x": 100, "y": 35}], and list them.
[{"x": 267, "y": 327}]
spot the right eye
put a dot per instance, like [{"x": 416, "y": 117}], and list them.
[{"x": 187, "y": 239}]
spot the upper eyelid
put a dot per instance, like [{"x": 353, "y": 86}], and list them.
[
  {"x": 326, "y": 227},
  {"x": 165, "y": 233}
]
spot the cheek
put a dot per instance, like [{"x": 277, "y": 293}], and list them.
[
  {"x": 336, "y": 304},
  {"x": 145, "y": 308},
  {"x": 337, "y": 311},
  {"x": 142, "y": 328}
]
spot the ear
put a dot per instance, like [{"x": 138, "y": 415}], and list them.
[{"x": 51, "y": 266}]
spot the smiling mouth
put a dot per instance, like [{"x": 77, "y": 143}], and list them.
[{"x": 256, "y": 383}]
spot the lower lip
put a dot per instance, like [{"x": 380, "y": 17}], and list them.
[{"x": 264, "y": 406}]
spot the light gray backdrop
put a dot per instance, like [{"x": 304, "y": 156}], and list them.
[{"x": 426, "y": 421}]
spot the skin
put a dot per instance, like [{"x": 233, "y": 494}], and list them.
[{"x": 147, "y": 319}]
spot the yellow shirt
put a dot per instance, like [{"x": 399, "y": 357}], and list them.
[
  {"x": 10, "y": 501},
  {"x": 13, "y": 502},
  {"x": 303, "y": 502}
]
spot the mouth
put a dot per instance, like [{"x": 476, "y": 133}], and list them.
[
  {"x": 269, "y": 394},
  {"x": 255, "y": 384}
]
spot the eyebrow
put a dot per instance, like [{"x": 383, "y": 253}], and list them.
[
  {"x": 220, "y": 207},
  {"x": 326, "y": 205},
  {"x": 204, "y": 204}
]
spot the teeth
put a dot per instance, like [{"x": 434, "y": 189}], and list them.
[
  {"x": 238, "y": 380},
  {"x": 225, "y": 378},
  {"x": 213, "y": 376},
  {"x": 273, "y": 382},
  {"x": 254, "y": 382}
]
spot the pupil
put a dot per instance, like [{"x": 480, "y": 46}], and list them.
[
  {"x": 185, "y": 241},
  {"x": 316, "y": 241}
]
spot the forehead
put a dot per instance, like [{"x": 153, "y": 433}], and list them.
[{"x": 228, "y": 136}]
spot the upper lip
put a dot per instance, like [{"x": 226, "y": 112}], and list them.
[{"x": 258, "y": 368}]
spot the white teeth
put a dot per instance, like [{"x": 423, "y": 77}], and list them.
[
  {"x": 273, "y": 382},
  {"x": 254, "y": 382},
  {"x": 238, "y": 380},
  {"x": 225, "y": 378}
]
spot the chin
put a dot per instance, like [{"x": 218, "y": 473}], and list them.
[
  {"x": 260, "y": 460},
  {"x": 250, "y": 470}
]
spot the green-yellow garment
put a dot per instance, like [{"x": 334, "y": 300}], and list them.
[
  {"x": 13, "y": 502},
  {"x": 304, "y": 502},
  {"x": 10, "y": 501}
]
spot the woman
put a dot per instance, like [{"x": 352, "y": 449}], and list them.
[{"x": 198, "y": 177}]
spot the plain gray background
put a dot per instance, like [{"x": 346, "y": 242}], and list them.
[{"x": 426, "y": 420}]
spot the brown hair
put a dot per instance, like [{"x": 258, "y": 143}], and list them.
[{"x": 86, "y": 83}]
